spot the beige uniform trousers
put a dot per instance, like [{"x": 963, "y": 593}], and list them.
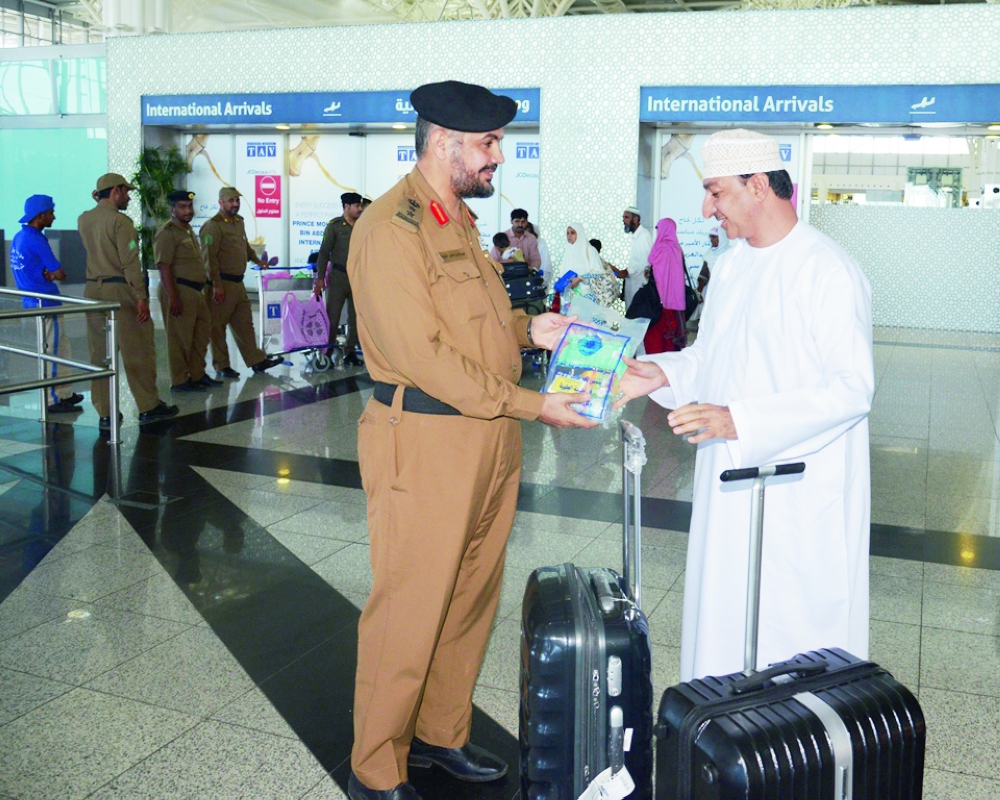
[
  {"x": 235, "y": 312},
  {"x": 135, "y": 343},
  {"x": 187, "y": 335},
  {"x": 442, "y": 493},
  {"x": 338, "y": 292}
]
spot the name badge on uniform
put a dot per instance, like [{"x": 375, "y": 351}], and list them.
[{"x": 448, "y": 256}]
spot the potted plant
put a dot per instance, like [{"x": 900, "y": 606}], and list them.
[{"x": 155, "y": 178}]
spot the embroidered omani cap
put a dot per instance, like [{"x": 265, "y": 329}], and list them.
[{"x": 739, "y": 152}]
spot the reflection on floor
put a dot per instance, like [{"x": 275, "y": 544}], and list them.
[{"x": 195, "y": 637}]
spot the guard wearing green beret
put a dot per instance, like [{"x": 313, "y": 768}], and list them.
[
  {"x": 227, "y": 251},
  {"x": 439, "y": 445},
  {"x": 114, "y": 274},
  {"x": 186, "y": 317},
  {"x": 333, "y": 252}
]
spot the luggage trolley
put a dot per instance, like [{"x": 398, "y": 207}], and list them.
[{"x": 272, "y": 286}]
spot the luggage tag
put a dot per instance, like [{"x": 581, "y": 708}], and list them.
[{"x": 608, "y": 787}]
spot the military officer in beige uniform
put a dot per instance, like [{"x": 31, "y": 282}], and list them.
[
  {"x": 226, "y": 249},
  {"x": 186, "y": 317},
  {"x": 333, "y": 252},
  {"x": 114, "y": 274},
  {"x": 439, "y": 445}
]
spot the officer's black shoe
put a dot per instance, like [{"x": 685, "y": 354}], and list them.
[
  {"x": 104, "y": 423},
  {"x": 75, "y": 399},
  {"x": 162, "y": 411},
  {"x": 228, "y": 372},
  {"x": 188, "y": 386},
  {"x": 470, "y": 763},
  {"x": 356, "y": 790},
  {"x": 353, "y": 361},
  {"x": 63, "y": 407},
  {"x": 267, "y": 363},
  {"x": 208, "y": 382}
]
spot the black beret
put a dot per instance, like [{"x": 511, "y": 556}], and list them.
[
  {"x": 349, "y": 198},
  {"x": 462, "y": 106},
  {"x": 180, "y": 195}
]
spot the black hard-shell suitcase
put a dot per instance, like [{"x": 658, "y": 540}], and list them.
[
  {"x": 528, "y": 287},
  {"x": 585, "y": 652},
  {"x": 823, "y": 724},
  {"x": 515, "y": 269}
]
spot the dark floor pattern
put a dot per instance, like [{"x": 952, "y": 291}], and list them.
[{"x": 293, "y": 634}]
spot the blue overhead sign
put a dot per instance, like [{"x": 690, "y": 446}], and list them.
[
  {"x": 898, "y": 105},
  {"x": 298, "y": 108}
]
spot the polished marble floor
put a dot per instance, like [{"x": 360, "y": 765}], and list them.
[{"x": 178, "y": 618}]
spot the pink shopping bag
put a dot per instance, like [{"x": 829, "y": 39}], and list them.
[{"x": 303, "y": 323}]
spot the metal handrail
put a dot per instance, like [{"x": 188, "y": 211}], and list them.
[{"x": 71, "y": 305}]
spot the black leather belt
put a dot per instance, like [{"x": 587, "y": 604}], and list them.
[
  {"x": 231, "y": 278},
  {"x": 106, "y": 280},
  {"x": 190, "y": 284},
  {"x": 414, "y": 400},
  {"x": 339, "y": 267}
]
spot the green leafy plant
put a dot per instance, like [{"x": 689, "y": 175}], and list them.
[{"x": 156, "y": 177}]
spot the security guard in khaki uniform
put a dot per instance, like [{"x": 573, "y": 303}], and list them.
[
  {"x": 177, "y": 254},
  {"x": 226, "y": 249},
  {"x": 333, "y": 251},
  {"x": 439, "y": 445},
  {"x": 114, "y": 274}
]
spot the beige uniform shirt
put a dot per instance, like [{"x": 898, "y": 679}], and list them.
[
  {"x": 432, "y": 309},
  {"x": 112, "y": 246},
  {"x": 225, "y": 246},
  {"x": 178, "y": 248}
]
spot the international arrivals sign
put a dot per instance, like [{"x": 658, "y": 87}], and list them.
[
  {"x": 299, "y": 108},
  {"x": 894, "y": 105}
]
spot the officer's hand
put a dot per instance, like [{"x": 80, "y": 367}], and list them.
[
  {"x": 58, "y": 275},
  {"x": 556, "y": 411},
  {"x": 318, "y": 287},
  {"x": 547, "y": 329},
  {"x": 176, "y": 308},
  {"x": 710, "y": 422},
  {"x": 641, "y": 378},
  {"x": 218, "y": 295},
  {"x": 143, "y": 314}
]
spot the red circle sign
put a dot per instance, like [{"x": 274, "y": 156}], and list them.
[{"x": 268, "y": 185}]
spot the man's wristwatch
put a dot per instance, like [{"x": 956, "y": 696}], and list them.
[{"x": 531, "y": 341}]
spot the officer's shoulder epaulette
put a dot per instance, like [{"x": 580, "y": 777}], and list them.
[{"x": 408, "y": 214}]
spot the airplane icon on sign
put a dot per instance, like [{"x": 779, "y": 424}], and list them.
[{"x": 925, "y": 103}]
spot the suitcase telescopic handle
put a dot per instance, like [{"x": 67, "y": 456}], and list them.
[
  {"x": 633, "y": 460},
  {"x": 759, "y": 475}
]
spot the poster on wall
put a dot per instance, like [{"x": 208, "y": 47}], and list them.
[
  {"x": 516, "y": 182},
  {"x": 210, "y": 159},
  {"x": 320, "y": 169},
  {"x": 388, "y": 158},
  {"x": 681, "y": 193},
  {"x": 519, "y": 176},
  {"x": 259, "y": 165}
]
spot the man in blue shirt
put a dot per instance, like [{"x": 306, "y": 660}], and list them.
[{"x": 36, "y": 269}]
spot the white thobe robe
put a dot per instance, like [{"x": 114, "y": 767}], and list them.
[
  {"x": 638, "y": 260},
  {"x": 786, "y": 343}
]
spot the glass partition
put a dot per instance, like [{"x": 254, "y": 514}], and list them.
[{"x": 924, "y": 171}]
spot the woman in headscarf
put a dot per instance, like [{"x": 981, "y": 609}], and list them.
[
  {"x": 593, "y": 279},
  {"x": 666, "y": 259},
  {"x": 719, "y": 243}
]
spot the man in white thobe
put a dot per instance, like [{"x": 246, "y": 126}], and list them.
[
  {"x": 782, "y": 371},
  {"x": 638, "y": 257}
]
